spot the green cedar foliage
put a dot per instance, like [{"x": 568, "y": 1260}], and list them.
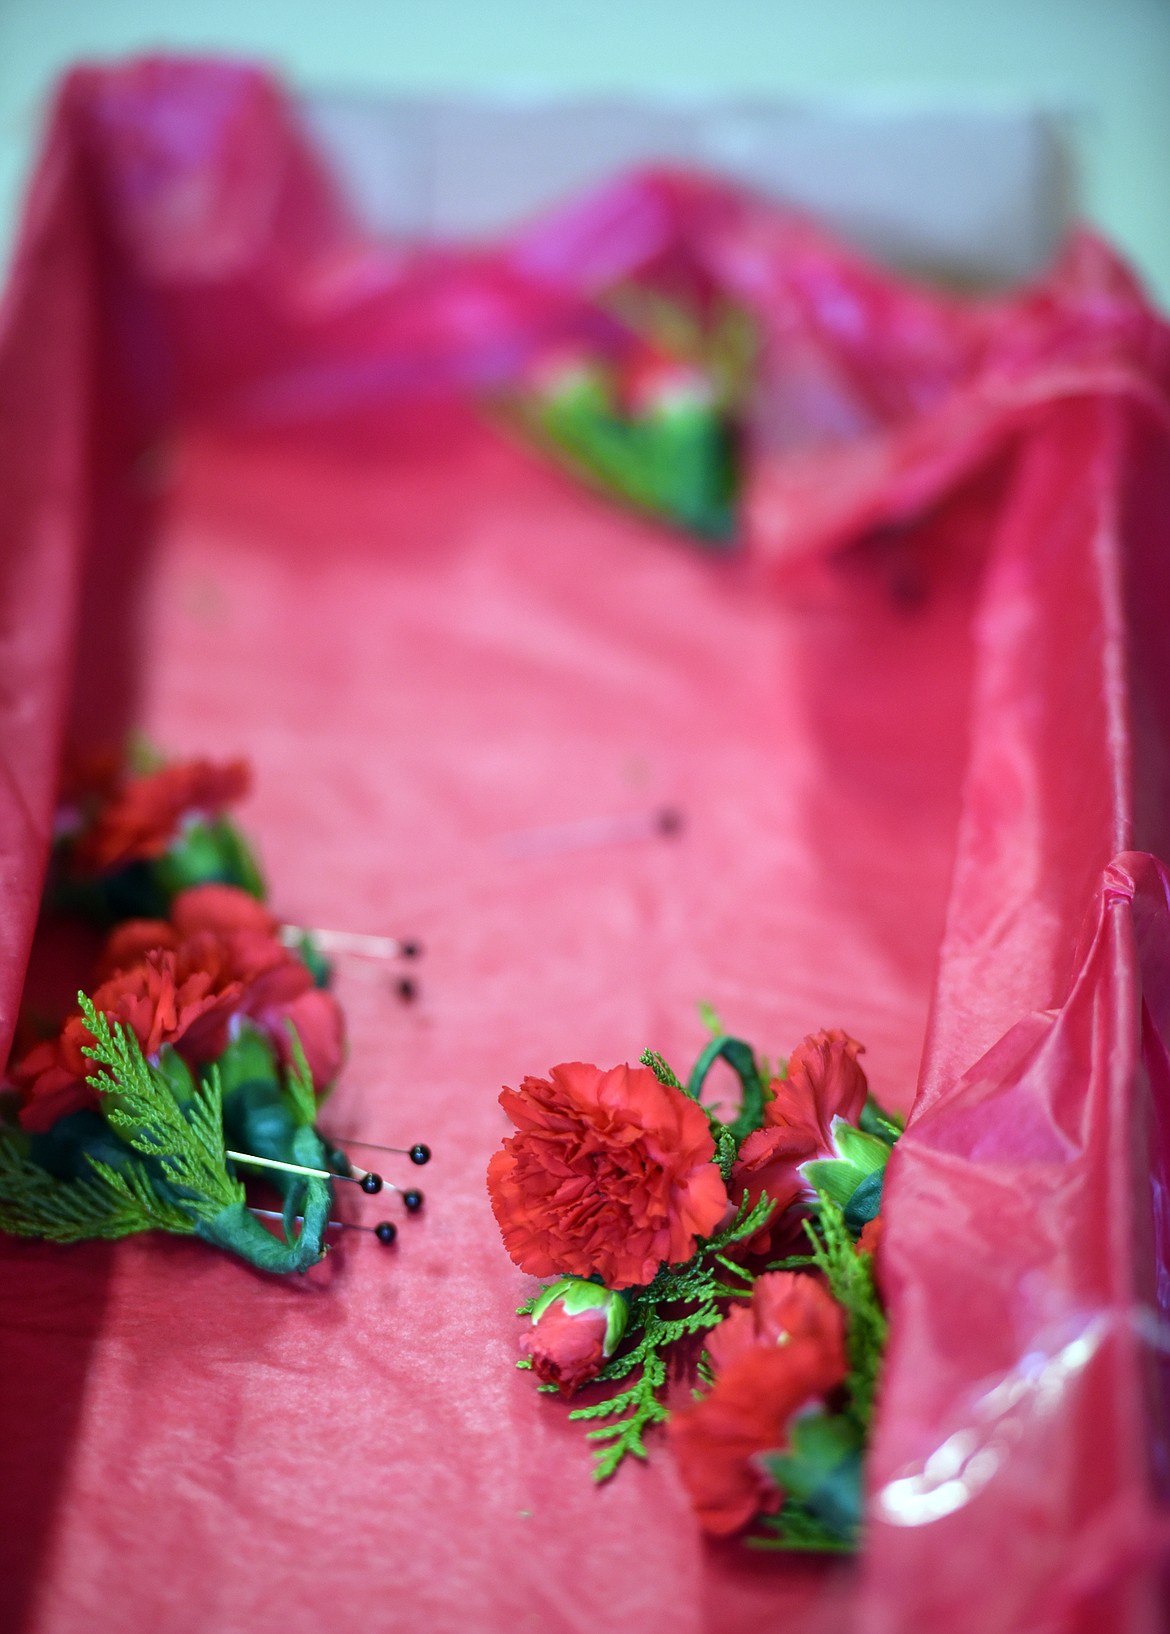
[
  {"x": 682, "y": 1300},
  {"x": 820, "y": 1471},
  {"x": 173, "y": 1176}
]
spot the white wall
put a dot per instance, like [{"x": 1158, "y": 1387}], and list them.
[{"x": 1105, "y": 61}]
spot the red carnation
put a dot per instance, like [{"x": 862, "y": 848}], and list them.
[
  {"x": 48, "y": 1089},
  {"x": 182, "y": 982},
  {"x": 129, "y": 943},
  {"x": 164, "y": 999},
  {"x": 147, "y": 813},
  {"x": 224, "y": 929},
  {"x": 784, "y": 1353},
  {"x": 221, "y": 908},
  {"x": 610, "y": 1174},
  {"x": 320, "y": 1026},
  {"x": 824, "y": 1081}
]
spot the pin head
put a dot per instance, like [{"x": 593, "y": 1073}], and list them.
[
  {"x": 413, "y": 1199},
  {"x": 371, "y": 1183},
  {"x": 411, "y": 950},
  {"x": 386, "y": 1231},
  {"x": 420, "y": 1153},
  {"x": 407, "y": 989}
]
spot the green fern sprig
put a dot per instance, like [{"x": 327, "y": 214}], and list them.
[
  {"x": 796, "y": 1530},
  {"x": 186, "y": 1142},
  {"x": 821, "y": 1469},
  {"x": 181, "y": 1144},
  {"x": 34, "y": 1203},
  {"x": 697, "y": 1290},
  {"x": 661, "y": 1069},
  {"x": 640, "y": 1404},
  {"x": 850, "y": 1279},
  {"x": 299, "y": 1081}
]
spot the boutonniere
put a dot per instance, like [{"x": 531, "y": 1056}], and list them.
[
  {"x": 737, "y": 1252},
  {"x": 199, "y": 1056},
  {"x": 654, "y": 412},
  {"x": 131, "y": 835}
]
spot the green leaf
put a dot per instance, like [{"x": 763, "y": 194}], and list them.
[
  {"x": 887, "y": 1126},
  {"x": 866, "y": 1203},
  {"x": 248, "y": 1059},
  {"x": 821, "y": 1470},
  {"x": 298, "y": 1081},
  {"x": 261, "y": 1118},
  {"x": 861, "y": 1163},
  {"x": 865, "y": 1152},
  {"x": 206, "y": 853},
  {"x": 832, "y": 1178}
]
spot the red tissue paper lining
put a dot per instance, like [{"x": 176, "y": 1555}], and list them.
[{"x": 918, "y": 730}]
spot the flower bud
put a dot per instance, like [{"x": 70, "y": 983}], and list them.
[{"x": 576, "y": 1327}]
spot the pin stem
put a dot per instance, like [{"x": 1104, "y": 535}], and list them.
[
  {"x": 418, "y": 1153},
  {"x": 360, "y": 943},
  {"x": 361, "y": 1177},
  {"x": 385, "y": 1230}
]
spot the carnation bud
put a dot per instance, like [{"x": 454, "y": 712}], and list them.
[{"x": 576, "y": 1327}]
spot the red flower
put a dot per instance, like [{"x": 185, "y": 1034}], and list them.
[
  {"x": 48, "y": 1089},
  {"x": 147, "y": 813},
  {"x": 824, "y": 1081},
  {"x": 320, "y": 1026},
  {"x": 609, "y": 1174},
  {"x": 576, "y": 1327},
  {"x": 182, "y": 982},
  {"x": 567, "y": 1350},
  {"x": 870, "y": 1242},
  {"x": 784, "y": 1353},
  {"x": 129, "y": 943},
  {"x": 164, "y": 999},
  {"x": 220, "y": 908},
  {"x": 221, "y": 928}
]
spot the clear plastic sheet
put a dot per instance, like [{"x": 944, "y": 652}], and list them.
[{"x": 918, "y": 732}]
